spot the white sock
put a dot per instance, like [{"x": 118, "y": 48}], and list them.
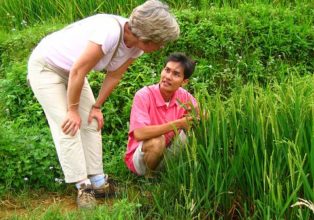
[
  {"x": 86, "y": 182},
  {"x": 98, "y": 180}
]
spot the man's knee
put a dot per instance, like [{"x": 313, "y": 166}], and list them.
[{"x": 155, "y": 146}]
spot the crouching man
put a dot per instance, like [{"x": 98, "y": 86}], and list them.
[{"x": 159, "y": 112}]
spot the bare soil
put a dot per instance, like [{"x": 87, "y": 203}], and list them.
[
  {"x": 22, "y": 206},
  {"x": 10, "y": 206}
]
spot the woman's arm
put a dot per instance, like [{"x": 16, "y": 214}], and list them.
[
  {"x": 110, "y": 82},
  {"x": 88, "y": 59}
]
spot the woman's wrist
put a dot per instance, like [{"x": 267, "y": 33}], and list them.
[
  {"x": 73, "y": 107},
  {"x": 96, "y": 106}
]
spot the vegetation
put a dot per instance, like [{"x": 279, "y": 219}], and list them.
[
  {"x": 250, "y": 156},
  {"x": 253, "y": 161}
]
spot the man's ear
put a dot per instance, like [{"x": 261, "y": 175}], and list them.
[{"x": 185, "y": 82}]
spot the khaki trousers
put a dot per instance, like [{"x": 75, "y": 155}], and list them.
[{"x": 79, "y": 155}]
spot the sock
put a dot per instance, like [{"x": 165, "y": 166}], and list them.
[
  {"x": 98, "y": 180},
  {"x": 86, "y": 182}
]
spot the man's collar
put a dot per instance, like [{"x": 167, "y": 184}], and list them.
[{"x": 159, "y": 99}]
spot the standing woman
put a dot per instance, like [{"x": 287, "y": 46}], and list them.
[{"x": 57, "y": 71}]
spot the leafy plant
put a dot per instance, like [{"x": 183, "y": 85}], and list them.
[{"x": 250, "y": 157}]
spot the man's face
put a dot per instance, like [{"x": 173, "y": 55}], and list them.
[{"x": 172, "y": 77}]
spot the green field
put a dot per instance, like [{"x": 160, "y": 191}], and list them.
[{"x": 251, "y": 155}]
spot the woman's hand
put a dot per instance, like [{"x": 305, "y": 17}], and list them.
[
  {"x": 72, "y": 122},
  {"x": 95, "y": 113}
]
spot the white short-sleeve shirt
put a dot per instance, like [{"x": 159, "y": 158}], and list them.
[{"x": 62, "y": 48}]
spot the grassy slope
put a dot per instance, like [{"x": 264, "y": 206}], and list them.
[{"x": 232, "y": 46}]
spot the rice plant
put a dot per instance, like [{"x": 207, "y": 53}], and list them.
[
  {"x": 251, "y": 156},
  {"x": 17, "y": 14}
]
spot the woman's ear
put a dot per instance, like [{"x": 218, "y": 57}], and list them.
[{"x": 129, "y": 38}]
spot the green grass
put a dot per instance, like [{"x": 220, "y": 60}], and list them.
[
  {"x": 122, "y": 209},
  {"x": 17, "y": 14},
  {"x": 251, "y": 157}
]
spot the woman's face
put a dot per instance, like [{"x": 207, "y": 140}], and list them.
[{"x": 149, "y": 46}]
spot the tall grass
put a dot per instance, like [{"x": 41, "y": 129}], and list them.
[
  {"x": 16, "y": 14},
  {"x": 251, "y": 156}
]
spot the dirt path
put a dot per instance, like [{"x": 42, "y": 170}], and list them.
[
  {"x": 11, "y": 207},
  {"x": 38, "y": 202}
]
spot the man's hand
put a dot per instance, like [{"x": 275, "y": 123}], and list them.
[
  {"x": 95, "y": 113},
  {"x": 185, "y": 122},
  {"x": 72, "y": 122}
]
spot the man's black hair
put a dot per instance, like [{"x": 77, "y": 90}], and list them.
[{"x": 187, "y": 63}]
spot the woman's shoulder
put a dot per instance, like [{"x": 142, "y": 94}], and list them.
[
  {"x": 111, "y": 18},
  {"x": 105, "y": 28},
  {"x": 119, "y": 18}
]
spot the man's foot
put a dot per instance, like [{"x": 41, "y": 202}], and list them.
[
  {"x": 86, "y": 197},
  {"x": 105, "y": 190}
]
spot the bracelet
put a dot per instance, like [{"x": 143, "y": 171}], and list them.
[
  {"x": 73, "y": 105},
  {"x": 96, "y": 107}
]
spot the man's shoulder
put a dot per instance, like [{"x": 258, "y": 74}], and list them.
[
  {"x": 183, "y": 92},
  {"x": 142, "y": 91},
  {"x": 146, "y": 90}
]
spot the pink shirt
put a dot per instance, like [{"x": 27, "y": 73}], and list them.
[{"x": 149, "y": 108}]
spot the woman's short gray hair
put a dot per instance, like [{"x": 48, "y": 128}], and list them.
[{"x": 153, "y": 22}]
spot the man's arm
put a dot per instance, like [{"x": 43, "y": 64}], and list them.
[{"x": 152, "y": 131}]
